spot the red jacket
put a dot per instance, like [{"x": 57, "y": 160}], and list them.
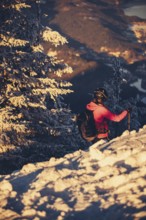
[{"x": 101, "y": 117}]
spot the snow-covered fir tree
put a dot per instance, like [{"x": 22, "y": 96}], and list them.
[
  {"x": 32, "y": 112},
  {"x": 115, "y": 102}
]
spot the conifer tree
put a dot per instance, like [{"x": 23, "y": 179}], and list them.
[
  {"x": 115, "y": 102},
  {"x": 32, "y": 111}
]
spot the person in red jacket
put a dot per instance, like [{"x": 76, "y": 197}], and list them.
[{"x": 102, "y": 114}]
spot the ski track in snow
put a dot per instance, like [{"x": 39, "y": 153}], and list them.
[{"x": 107, "y": 181}]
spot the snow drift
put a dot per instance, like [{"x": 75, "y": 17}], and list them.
[{"x": 107, "y": 181}]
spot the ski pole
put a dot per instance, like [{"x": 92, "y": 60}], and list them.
[{"x": 128, "y": 121}]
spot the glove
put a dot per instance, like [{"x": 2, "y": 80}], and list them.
[{"x": 129, "y": 109}]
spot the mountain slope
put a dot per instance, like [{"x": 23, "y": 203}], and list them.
[
  {"x": 97, "y": 33},
  {"x": 95, "y": 30},
  {"x": 107, "y": 181}
]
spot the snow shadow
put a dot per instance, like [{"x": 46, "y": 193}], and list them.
[
  {"x": 94, "y": 212},
  {"x": 16, "y": 159},
  {"x": 21, "y": 185}
]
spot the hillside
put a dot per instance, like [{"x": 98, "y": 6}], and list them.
[
  {"x": 97, "y": 31},
  {"x": 107, "y": 181}
]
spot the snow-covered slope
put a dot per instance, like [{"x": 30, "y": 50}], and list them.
[{"x": 107, "y": 181}]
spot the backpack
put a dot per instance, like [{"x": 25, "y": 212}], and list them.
[{"x": 86, "y": 125}]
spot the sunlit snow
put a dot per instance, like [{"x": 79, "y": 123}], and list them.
[{"x": 107, "y": 181}]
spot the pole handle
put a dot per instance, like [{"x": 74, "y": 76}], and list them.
[{"x": 128, "y": 121}]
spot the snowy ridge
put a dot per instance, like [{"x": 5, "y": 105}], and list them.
[{"x": 107, "y": 181}]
